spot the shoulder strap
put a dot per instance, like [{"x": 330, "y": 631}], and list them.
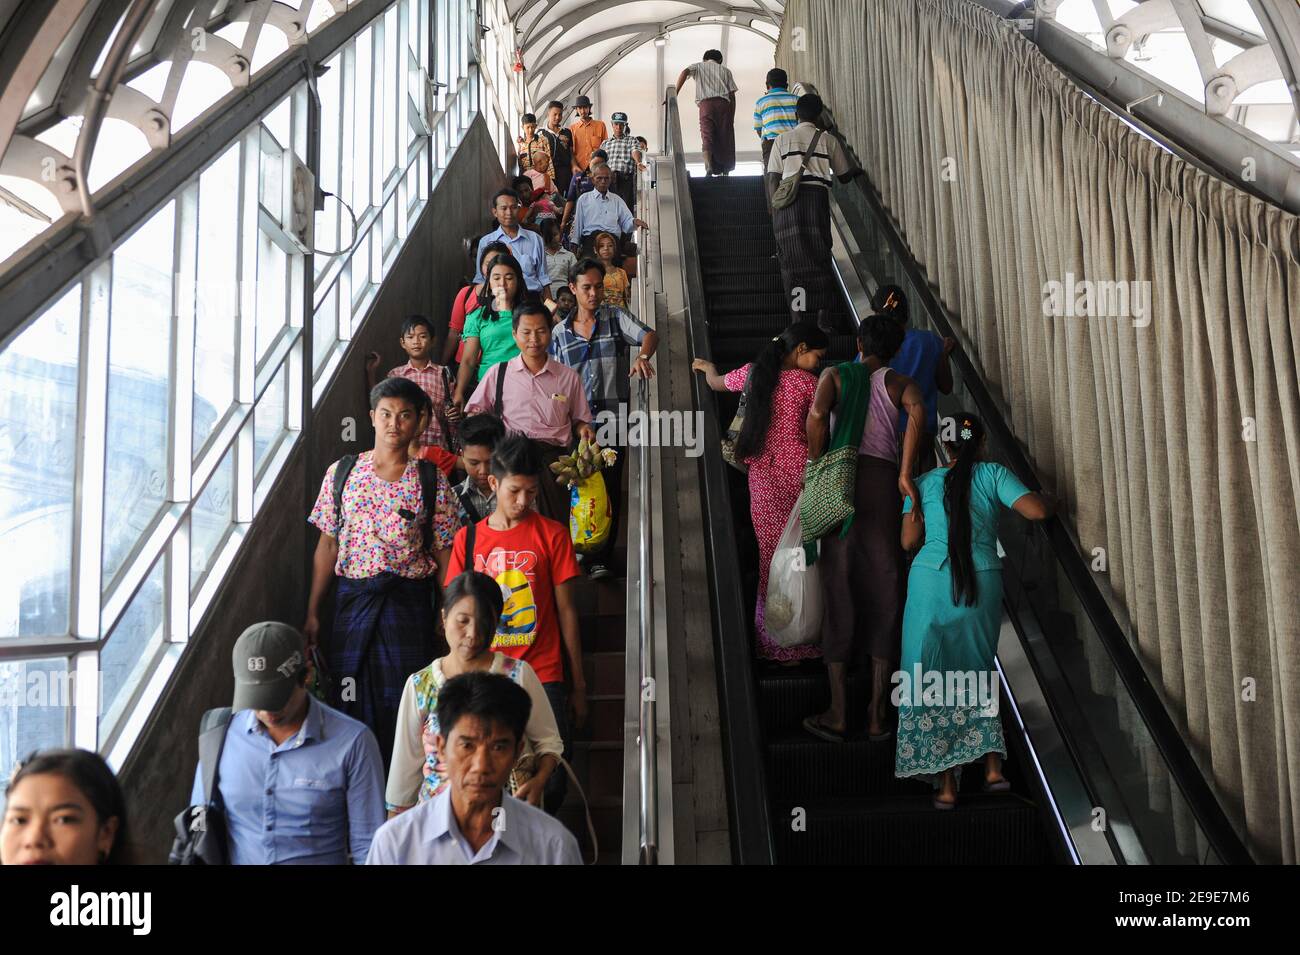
[
  {"x": 812, "y": 145},
  {"x": 469, "y": 544},
  {"x": 212, "y": 743},
  {"x": 470, "y": 510},
  {"x": 341, "y": 472},
  {"x": 851, "y": 409},
  {"x": 429, "y": 493},
  {"x": 500, "y": 387}
]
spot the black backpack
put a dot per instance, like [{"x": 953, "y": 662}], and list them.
[
  {"x": 201, "y": 829},
  {"x": 428, "y": 492}
]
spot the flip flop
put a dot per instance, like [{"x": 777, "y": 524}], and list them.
[
  {"x": 880, "y": 737},
  {"x": 943, "y": 806},
  {"x": 1001, "y": 786},
  {"x": 814, "y": 725}
]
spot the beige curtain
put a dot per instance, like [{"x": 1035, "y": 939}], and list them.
[{"x": 1176, "y": 444}]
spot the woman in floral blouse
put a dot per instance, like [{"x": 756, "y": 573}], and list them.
[{"x": 473, "y": 605}]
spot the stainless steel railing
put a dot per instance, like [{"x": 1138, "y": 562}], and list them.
[{"x": 647, "y": 727}]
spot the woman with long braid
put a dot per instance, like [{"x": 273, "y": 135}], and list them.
[
  {"x": 947, "y": 694},
  {"x": 779, "y": 386}
]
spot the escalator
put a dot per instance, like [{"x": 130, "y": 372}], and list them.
[
  {"x": 829, "y": 802},
  {"x": 1101, "y": 773}
]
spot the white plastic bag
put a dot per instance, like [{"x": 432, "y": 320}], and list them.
[{"x": 793, "y": 612}]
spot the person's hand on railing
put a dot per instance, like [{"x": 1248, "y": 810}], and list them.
[
  {"x": 641, "y": 225},
  {"x": 949, "y": 345},
  {"x": 641, "y": 368}
]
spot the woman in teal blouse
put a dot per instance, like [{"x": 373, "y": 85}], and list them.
[{"x": 948, "y": 689}]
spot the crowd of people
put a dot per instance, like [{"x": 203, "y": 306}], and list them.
[
  {"x": 937, "y": 612},
  {"x": 430, "y": 717}
]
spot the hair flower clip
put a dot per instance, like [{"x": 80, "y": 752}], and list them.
[{"x": 966, "y": 434}]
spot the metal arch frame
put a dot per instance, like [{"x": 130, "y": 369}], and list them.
[
  {"x": 1220, "y": 144},
  {"x": 58, "y": 256},
  {"x": 584, "y": 80},
  {"x": 44, "y": 30}
]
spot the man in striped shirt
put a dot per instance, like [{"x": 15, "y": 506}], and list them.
[
  {"x": 715, "y": 95},
  {"x": 773, "y": 115}
]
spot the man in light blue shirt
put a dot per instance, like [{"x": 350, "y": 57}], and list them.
[
  {"x": 299, "y": 781},
  {"x": 524, "y": 245},
  {"x": 472, "y": 821},
  {"x": 602, "y": 211}
]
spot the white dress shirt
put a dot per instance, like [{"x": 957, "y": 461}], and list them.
[
  {"x": 601, "y": 212},
  {"x": 428, "y": 835}
]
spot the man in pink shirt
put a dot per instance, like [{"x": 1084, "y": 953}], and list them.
[{"x": 540, "y": 398}]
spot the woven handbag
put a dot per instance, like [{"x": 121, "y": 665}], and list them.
[
  {"x": 733, "y": 435},
  {"x": 830, "y": 482},
  {"x": 829, "y": 485}
]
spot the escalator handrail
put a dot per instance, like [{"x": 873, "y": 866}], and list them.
[
  {"x": 1203, "y": 804},
  {"x": 751, "y": 834}
]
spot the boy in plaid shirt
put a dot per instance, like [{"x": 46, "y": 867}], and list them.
[{"x": 435, "y": 380}]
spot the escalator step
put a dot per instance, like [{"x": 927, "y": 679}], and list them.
[
  {"x": 712, "y": 217},
  {"x": 740, "y": 304},
  {"x": 787, "y": 695},
  {"x": 769, "y": 324},
  {"x": 764, "y": 282},
  {"x": 729, "y": 248},
  {"x": 1001, "y": 829}
]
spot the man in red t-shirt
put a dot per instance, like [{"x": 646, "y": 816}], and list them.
[{"x": 532, "y": 558}]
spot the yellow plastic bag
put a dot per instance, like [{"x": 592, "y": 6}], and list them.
[{"x": 590, "y": 515}]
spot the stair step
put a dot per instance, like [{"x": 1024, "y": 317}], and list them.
[
  {"x": 604, "y": 719},
  {"x": 603, "y": 632},
  {"x": 984, "y": 829},
  {"x": 600, "y": 597},
  {"x": 605, "y": 671},
  {"x": 604, "y": 765}
]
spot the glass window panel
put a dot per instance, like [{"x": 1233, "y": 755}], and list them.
[
  {"x": 390, "y": 223},
  {"x": 38, "y": 456},
  {"x": 272, "y": 291},
  {"x": 139, "y": 392},
  {"x": 271, "y": 176},
  {"x": 271, "y": 43},
  {"x": 202, "y": 85},
  {"x": 211, "y": 518},
  {"x": 325, "y": 328},
  {"x": 216, "y": 327},
  {"x": 329, "y": 87},
  {"x": 35, "y": 696},
  {"x": 132, "y": 640},
  {"x": 413, "y": 184},
  {"x": 361, "y": 126},
  {"x": 390, "y": 66},
  {"x": 360, "y": 269},
  {"x": 269, "y": 418}
]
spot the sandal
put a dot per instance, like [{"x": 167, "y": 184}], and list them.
[
  {"x": 814, "y": 725},
  {"x": 1001, "y": 786},
  {"x": 942, "y": 805}
]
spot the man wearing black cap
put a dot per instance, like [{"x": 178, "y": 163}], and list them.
[
  {"x": 588, "y": 134},
  {"x": 624, "y": 154},
  {"x": 299, "y": 782}
]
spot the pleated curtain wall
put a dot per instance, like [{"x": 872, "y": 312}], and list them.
[{"x": 1173, "y": 437}]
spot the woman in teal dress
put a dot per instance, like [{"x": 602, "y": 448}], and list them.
[{"x": 947, "y": 692}]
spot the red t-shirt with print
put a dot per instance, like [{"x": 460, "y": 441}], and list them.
[{"x": 529, "y": 561}]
